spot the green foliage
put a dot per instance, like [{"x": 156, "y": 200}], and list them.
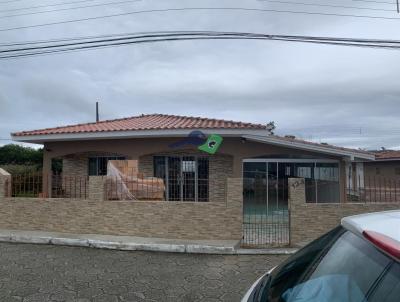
[
  {"x": 18, "y": 155},
  {"x": 56, "y": 165}
]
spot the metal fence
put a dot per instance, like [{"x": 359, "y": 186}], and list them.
[
  {"x": 374, "y": 190},
  {"x": 173, "y": 188},
  {"x": 134, "y": 188},
  {"x": 266, "y": 219},
  {"x": 39, "y": 185}
]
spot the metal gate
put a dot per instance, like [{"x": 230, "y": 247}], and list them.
[{"x": 265, "y": 205}]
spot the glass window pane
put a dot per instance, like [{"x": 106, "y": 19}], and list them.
[
  {"x": 92, "y": 166},
  {"x": 388, "y": 289},
  {"x": 327, "y": 182},
  {"x": 306, "y": 171},
  {"x": 159, "y": 167},
  {"x": 174, "y": 178},
  {"x": 98, "y": 165},
  {"x": 202, "y": 178},
  {"x": 188, "y": 167}
]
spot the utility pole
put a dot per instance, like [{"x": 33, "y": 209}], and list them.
[
  {"x": 398, "y": 6},
  {"x": 97, "y": 112}
]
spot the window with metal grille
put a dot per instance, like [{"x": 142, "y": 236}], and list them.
[
  {"x": 185, "y": 177},
  {"x": 98, "y": 164}
]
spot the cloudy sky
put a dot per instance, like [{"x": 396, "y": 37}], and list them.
[{"x": 340, "y": 95}]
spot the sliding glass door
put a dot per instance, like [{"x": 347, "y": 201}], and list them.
[{"x": 321, "y": 179}]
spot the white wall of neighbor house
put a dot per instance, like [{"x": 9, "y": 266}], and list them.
[{"x": 355, "y": 176}]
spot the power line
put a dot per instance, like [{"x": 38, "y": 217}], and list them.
[
  {"x": 153, "y": 33},
  {"x": 200, "y": 9},
  {"x": 70, "y": 8},
  {"x": 153, "y": 37},
  {"x": 44, "y": 6},
  {"x": 327, "y": 5},
  {"x": 371, "y": 1}
]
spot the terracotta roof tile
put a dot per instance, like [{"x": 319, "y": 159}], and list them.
[
  {"x": 145, "y": 122},
  {"x": 388, "y": 155}
]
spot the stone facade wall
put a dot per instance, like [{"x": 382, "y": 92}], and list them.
[
  {"x": 308, "y": 221},
  {"x": 96, "y": 188},
  {"x": 5, "y": 183},
  {"x": 159, "y": 219},
  {"x": 220, "y": 168},
  {"x": 76, "y": 165}
]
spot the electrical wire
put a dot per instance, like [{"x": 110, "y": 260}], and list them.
[
  {"x": 8, "y": 53},
  {"x": 152, "y": 33},
  {"x": 44, "y": 6},
  {"x": 71, "y": 8},
  {"x": 371, "y": 1},
  {"x": 200, "y": 9},
  {"x": 327, "y": 5}
]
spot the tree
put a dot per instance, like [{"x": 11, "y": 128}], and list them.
[{"x": 18, "y": 155}]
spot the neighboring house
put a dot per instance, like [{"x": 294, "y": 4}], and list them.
[
  {"x": 387, "y": 165},
  {"x": 377, "y": 180},
  {"x": 248, "y": 151}
]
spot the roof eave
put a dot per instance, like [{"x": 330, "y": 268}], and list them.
[
  {"x": 352, "y": 155},
  {"x": 40, "y": 139}
]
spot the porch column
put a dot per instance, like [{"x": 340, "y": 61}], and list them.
[
  {"x": 5, "y": 183},
  {"x": 96, "y": 188},
  {"x": 47, "y": 173},
  {"x": 296, "y": 191},
  {"x": 343, "y": 181}
]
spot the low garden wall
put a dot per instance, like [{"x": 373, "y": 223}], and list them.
[
  {"x": 308, "y": 221},
  {"x": 159, "y": 219}
]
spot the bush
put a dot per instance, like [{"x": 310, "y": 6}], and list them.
[{"x": 18, "y": 155}]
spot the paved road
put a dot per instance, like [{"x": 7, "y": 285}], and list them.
[{"x": 54, "y": 273}]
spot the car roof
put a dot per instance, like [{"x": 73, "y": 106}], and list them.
[{"x": 386, "y": 223}]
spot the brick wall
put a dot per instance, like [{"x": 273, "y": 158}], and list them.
[
  {"x": 310, "y": 220},
  {"x": 181, "y": 220}
]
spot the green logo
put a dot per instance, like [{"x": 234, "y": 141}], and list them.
[{"x": 212, "y": 144}]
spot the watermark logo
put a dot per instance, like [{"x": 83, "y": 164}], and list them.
[{"x": 209, "y": 144}]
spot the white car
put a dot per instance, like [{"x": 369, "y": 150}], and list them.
[{"x": 358, "y": 261}]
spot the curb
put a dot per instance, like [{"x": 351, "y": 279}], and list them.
[{"x": 124, "y": 245}]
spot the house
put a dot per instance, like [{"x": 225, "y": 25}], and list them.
[
  {"x": 386, "y": 165},
  {"x": 192, "y": 178},
  {"x": 377, "y": 180},
  {"x": 167, "y": 147}
]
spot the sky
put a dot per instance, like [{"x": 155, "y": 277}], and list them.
[{"x": 339, "y": 95}]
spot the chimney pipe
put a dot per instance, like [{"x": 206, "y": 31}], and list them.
[{"x": 97, "y": 112}]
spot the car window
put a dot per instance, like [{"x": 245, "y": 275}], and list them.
[
  {"x": 355, "y": 259},
  {"x": 339, "y": 266},
  {"x": 388, "y": 289}
]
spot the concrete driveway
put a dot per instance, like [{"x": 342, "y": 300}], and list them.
[{"x": 56, "y": 273}]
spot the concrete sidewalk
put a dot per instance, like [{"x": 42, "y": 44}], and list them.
[{"x": 131, "y": 243}]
